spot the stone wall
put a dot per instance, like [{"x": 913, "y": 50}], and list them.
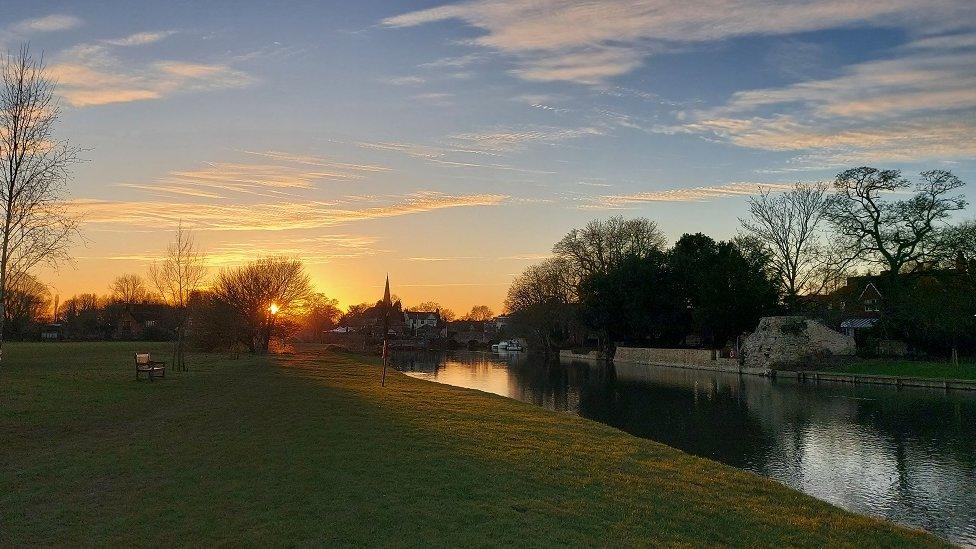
[
  {"x": 639, "y": 355},
  {"x": 794, "y": 342},
  {"x": 569, "y": 354},
  {"x": 684, "y": 358}
]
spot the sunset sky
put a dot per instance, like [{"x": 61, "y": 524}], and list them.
[{"x": 450, "y": 144}]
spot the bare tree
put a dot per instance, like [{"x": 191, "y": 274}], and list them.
[
  {"x": 893, "y": 234},
  {"x": 26, "y": 303},
  {"x": 954, "y": 246},
  {"x": 480, "y": 313},
  {"x": 600, "y": 245},
  {"x": 788, "y": 227},
  {"x": 176, "y": 277},
  {"x": 319, "y": 315},
  {"x": 262, "y": 290},
  {"x": 129, "y": 289},
  {"x": 34, "y": 174},
  {"x": 540, "y": 301}
]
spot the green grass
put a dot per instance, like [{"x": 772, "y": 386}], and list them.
[
  {"x": 909, "y": 368},
  {"x": 309, "y": 449}
]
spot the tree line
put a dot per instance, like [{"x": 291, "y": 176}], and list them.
[{"x": 616, "y": 280}]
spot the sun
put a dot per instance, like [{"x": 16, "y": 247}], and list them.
[{"x": 274, "y": 308}]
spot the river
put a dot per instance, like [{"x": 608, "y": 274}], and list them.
[{"x": 908, "y": 455}]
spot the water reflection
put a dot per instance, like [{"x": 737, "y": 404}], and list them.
[{"x": 905, "y": 454}]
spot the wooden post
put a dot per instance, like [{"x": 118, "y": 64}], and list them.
[{"x": 386, "y": 361}]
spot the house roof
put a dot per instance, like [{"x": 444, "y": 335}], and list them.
[
  {"x": 870, "y": 292},
  {"x": 856, "y": 323},
  {"x": 421, "y": 314}
]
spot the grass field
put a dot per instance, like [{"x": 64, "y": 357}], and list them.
[
  {"x": 909, "y": 368},
  {"x": 309, "y": 449}
]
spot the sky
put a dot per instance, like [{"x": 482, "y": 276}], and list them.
[{"x": 451, "y": 144}]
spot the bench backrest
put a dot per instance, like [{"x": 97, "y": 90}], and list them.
[{"x": 143, "y": 358}]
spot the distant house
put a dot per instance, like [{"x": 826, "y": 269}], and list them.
[
  {"x": 138, "y": 322},
  {"x": 415, "y": 320},
  {"x": 52, "y": 332},
  {"x": 858, "y": 305}
]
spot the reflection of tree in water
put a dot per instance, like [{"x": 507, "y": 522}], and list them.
[
  {"x": 934, "y": 449},
  {"x": 547, "y": 382},
  {"x": 706, "y": 419},
  {"x": 932, "y": 420}
]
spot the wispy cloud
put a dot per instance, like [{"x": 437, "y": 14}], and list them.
[
  {"x": 439, "y": 156},
  {"x": 589, "y": 42},
  {"x": 313, "y": 250},
  {"x": 427, "y": 259},
  {"x": 319, "y": 161},
  {"x": 92, "y": 74},
  {"x": 406, "y": 80},
  {"x": 291, "y": 172},
  {"x": 914, "y": 105},
  {"x": 687, "y": 194},
  {"x": 270, "y": 216},
  {"x": 509, "y": 139},
  {"x": 140, "y": 38},
  {"x": 48, "y": 23}
]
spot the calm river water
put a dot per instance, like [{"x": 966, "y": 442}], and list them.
[{"x": 908, "y": 455}]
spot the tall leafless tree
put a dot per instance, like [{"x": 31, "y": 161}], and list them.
[
  {"x": 36, "y": 227},
  {"x": 26, "y": 302},
  {"x": 872, "y": 228},
  {"x": 129, "y": 289},
  {"x": 261, "y": 290},
  {"x": 539, "y": 300},
  {"x": 789, "y": 226},
  {"x": 600, "y": 245},
  {"x": 479, "y": 313},
  {"x": 180, "y": 273}
]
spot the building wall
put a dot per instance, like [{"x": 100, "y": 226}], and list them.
[{"x": 674, "y": 357}]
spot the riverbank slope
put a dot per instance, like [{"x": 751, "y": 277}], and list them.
[{"x": 308, "y": 448}]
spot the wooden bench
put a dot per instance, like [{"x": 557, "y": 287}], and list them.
[{"x": 145, "y": 364}]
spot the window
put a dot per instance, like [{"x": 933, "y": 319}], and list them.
[
  {"x": 150, "y": 323},
  {"x": 871, "y": 305}
]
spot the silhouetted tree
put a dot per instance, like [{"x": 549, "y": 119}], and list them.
[
  {"x": 176, "y": 277},
  {"x": 633, "y": 302},
  {"x": 319, "y": 315},
  {"x": 789, "y": 226},
  {"x": 600, "y": 245},
  {"x": 540, "y": 302},
  {"x": 27, "y": 304},
  {"x": 480, "y": 313},
  {"x": 129, "y": 289},
  {"x": 34, "y": 162},
  {"x": 725, "y": 292},
  {"x": 264, "y": 294},
  {"x": 891, "y": 233}
]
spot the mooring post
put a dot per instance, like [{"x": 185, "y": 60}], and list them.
[{"x": 386, "y": 361}]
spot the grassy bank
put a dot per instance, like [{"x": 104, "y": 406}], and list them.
[
  {"x": 309, "y": 448},
  {"x": 909, "y": 368}
]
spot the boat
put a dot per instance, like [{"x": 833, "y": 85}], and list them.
[{"x": 510, "y": 346}]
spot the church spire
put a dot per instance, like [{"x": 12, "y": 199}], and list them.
[{"x": 386, "y": 293}]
